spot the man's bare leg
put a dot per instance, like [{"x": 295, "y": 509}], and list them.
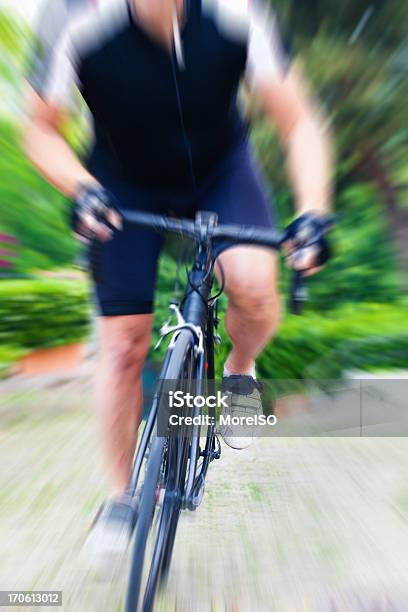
[
  {"x": 251, "y": 320},
  {"x": 124, "y": 345},
  {"x": 253, "y": 303}
]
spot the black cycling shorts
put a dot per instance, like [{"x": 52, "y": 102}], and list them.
[{"x": 126, "y": 275}]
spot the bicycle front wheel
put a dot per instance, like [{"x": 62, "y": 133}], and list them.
[{"x": 161, "y": 497}]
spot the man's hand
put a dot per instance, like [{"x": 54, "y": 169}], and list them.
[
  {"x": 94, "y": 215},
  {"x": 307, "y": 246}
]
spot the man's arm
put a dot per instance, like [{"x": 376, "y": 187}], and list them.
[
  {"x": 53, "y": 75},
  {"x": 47, "y": 149},
  {"x": 282, "y": 92},
  {"x": 94, "y": 212},
  {"x": 304, "y": 138}
]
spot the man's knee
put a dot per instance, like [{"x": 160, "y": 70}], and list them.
[
  {"x": 128, "y": 356},
  {"x": 251, "y": 280},
  {"x": 257, "y": 297},
  {"x": 125, "y": 345}
]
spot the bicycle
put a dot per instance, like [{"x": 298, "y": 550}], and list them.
[{"x": 169, "y": 472}]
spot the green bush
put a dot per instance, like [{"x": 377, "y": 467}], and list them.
[
  {"x": 316, "y": 346},
  {"x": 32, "y": 211},
  {"x": 8, "y": 355},
  {"x": 43, "y": 312},
  {"x": 49, "y": 312}
]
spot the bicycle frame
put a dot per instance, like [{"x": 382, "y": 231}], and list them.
[{"x": 197, "y": 311}]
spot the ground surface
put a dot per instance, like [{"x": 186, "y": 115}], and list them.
[{"x": 290, "y": 525}]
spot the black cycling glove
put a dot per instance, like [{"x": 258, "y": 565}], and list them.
[
  {"x": 308, "y": 241},
  {"x": 94, "y": 214}
]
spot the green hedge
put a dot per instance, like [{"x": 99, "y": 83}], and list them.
[
  {"x": 354, "y": 337},
  {"x": 49, "y": 312},
  {"x": 43, "y": 312},
  {"x": 8, "y": 355}
]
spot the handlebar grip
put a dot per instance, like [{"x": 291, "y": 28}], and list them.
[
  {"x": 298, "y": 294},
  {"x": 159, "y": 223}
]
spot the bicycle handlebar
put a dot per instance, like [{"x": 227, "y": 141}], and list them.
[
  {"x": 183, "y": 227},
  {"x": 235, "y": 234},
  {"x": 187, "y": 229}
]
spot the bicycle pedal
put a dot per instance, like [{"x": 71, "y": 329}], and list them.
[
  {"x": 216, "y": 455},
  {"x": 216, "y": 451}
]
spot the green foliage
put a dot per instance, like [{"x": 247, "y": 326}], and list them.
[
  {"x": 313, "y": 346},
  {"x": 365, "y": 337},
  {"x": 43, "y": 312},
  {"x": 14, "y": 35},
  {"x": 380, "y": 24},
  {"x": 354, "y": 55},
  {"x": 31, "y": 210},
  {"x": 364, "y": 266},
  {"x": 8, "y": 355}
]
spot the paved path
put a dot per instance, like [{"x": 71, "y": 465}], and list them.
[{"x": 290, "y": 525}]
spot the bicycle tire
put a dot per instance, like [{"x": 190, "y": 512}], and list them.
[
  {"x": 145, "y": 516},
  {"x": 166, "y": 535},
  {"x": 148, "y": 502},
  {"x": 178, "y": 453}
]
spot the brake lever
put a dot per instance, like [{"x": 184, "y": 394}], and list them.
[{"x": 298, "y": 294}]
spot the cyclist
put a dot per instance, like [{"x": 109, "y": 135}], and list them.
[{"x": 160, "y": 79}]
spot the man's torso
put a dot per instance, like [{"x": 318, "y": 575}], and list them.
[{"x": 158, "y": 122}]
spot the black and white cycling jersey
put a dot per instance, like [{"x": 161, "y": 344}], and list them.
[{"x": 160, "y": 118}]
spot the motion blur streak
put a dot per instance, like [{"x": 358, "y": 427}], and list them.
[
  {"x": 290, "y": 525},
  {"x": 300, "y": 524}
]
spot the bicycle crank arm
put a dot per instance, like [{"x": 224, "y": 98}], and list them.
[{"x": 196, "y": 496}]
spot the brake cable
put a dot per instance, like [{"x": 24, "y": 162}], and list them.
[
  {"x": 192, "y": 285},
  {"x": 213, "y": 300},
  {"x": 176, "y": 291}
]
